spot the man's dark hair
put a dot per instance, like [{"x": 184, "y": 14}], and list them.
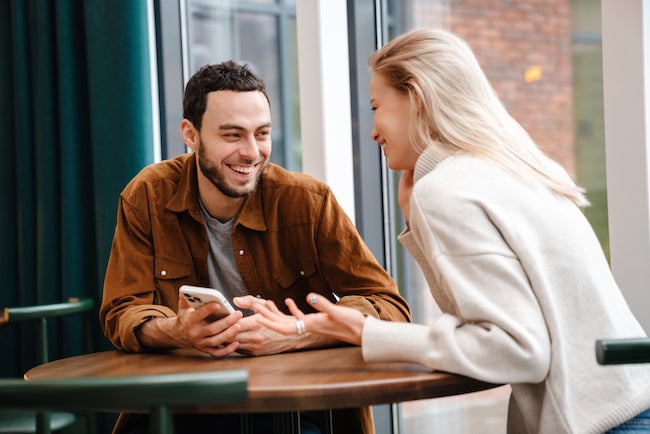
[{"x": 223, "y": 76}]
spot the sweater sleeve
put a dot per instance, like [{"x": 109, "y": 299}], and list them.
[{"x": 491, "y": 326}]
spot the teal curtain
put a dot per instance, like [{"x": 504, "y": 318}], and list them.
[{"x": 76, "y": 123}]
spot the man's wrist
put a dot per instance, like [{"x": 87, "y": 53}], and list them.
[
  {"x": 311, "y": 340},
  {"x": 153, "y": 333}
]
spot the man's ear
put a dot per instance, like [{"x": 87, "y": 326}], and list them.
[{"x": 189, "y": 134}]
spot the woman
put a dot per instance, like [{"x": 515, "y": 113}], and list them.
[{"x": 510, "y": 259}]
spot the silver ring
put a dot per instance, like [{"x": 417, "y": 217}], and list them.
[{"x": 300, "y": 326}]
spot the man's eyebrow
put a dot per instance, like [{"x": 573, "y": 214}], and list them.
[
  {"x": 231, "y": 127},
  {"x": 239, "y": 127}
]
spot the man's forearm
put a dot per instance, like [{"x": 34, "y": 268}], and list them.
[
  {"x": 156, "y": 333},
  {"x": 310, "y": 340}
]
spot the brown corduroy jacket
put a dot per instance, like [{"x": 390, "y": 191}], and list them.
[{"x": 291, "y": 237}]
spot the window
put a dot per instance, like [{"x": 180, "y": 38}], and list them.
[
  {"x": 559, "y": 101},
  {"x": 260, "y": 33},
  {"x": 588, "y": 112},
  {"x": 543, "y": 58}
]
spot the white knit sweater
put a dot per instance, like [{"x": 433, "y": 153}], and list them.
[{"x": 525, "y": 291}]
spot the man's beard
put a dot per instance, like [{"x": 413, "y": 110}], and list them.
[{"x": 215, "y": 176}]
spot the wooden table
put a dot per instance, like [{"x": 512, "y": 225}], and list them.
[{"x": 306, "y": 380}]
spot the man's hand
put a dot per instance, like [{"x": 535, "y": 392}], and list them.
[
  {"x": 332, "y": 325},
  {"x": 189, "y": 329},
  {"x": 256, "y": 338}
]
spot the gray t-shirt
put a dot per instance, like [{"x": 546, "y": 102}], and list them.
[{"x": 222, "y": 268}]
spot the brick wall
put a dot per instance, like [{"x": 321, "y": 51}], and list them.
[{"x": 509, "y": 37}]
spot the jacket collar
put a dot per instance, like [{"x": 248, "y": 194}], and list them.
[
  {"x": 186, "y": 198},
  {"x": 252, "y": 213}
]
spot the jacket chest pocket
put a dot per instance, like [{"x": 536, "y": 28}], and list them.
[
  {"x": 173, "y": 240},
  {"x": 170, "y": 274},
  {"x": 295, "y": 271},
  {"x": 170, "y": 269}
]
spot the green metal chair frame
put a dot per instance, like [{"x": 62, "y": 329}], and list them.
[
  {"x": 40, "y": 314},
  {"x": 619, "y": 351},
  {"x": 156, "y": 394}
]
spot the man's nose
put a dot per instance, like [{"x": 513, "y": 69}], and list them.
[{"x": 249, "y": 147}]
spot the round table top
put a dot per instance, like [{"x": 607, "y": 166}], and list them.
[{"x": 305, "y": 380}]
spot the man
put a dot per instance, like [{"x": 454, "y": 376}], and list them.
[{"x": 224, "y": 217}]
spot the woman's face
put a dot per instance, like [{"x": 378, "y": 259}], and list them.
[{"x": 392, "y": 120}]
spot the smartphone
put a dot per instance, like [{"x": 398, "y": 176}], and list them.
[{"x": 197, "y": 296}]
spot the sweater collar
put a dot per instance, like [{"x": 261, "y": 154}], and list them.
[{"x": 429, "y": 160}]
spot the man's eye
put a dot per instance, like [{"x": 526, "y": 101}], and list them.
[{"x": 373, "y": 108}]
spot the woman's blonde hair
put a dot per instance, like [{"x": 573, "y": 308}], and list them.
[{"x": 458, "y": 110}]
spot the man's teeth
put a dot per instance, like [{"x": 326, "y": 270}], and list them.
[{"x": 241, "y": 169}]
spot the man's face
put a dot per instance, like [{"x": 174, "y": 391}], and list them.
[{"x": 234, "y": 143}]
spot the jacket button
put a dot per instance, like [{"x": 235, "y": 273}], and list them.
[
  {"x": 163, "y": 273},
  {"x": 302, "y": 273},
  {"x": 241, "y": 252}
]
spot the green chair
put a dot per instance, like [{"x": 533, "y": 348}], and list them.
[
  {"x": 156, "y": 394},
  {"x": 25, "y": 422},
  {"x": 619, "y": 351}
]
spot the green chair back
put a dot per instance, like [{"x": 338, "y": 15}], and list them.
[
  {"x": 619, "y": 351},
  {"x": 156, "y": 394},
  {"x": 25, "y": 422}
]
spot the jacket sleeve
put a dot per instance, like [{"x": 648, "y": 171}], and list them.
[
  {"x": 129, "y": 287},
  {"x": 351, "y": 269}
]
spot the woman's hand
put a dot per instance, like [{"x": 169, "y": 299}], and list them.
[
  {"x": 404, "y": 190},
  {"x": 338, "y": 322}
]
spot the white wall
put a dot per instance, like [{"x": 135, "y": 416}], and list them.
[
  {"x": 325, "y": 113},
  {"x": 626, "y": 74}
]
